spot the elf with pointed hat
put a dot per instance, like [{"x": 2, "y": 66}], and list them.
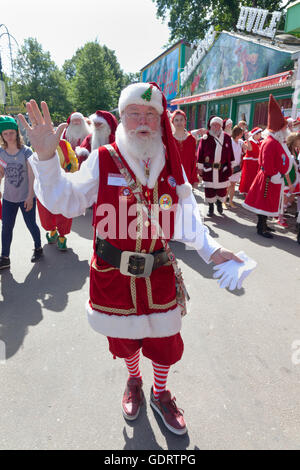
[
  {"x": 265, "y": 197},
  {"x": 137, "y": 293}
]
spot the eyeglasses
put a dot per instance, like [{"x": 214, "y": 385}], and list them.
[{"x": 149, "y": 117}]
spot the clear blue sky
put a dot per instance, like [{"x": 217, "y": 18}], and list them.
[{"x": 129, "y": 27}]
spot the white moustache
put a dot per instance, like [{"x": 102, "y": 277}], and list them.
[{"x": 134, "y": 132}]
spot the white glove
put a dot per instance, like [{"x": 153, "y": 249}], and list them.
[{"x": 231, "y": 274}]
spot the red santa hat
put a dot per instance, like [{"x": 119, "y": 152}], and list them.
[
  {"x": 214, "y": 119},
  {"x": 255, "y": 130},
  {"x": 276, "y": 120},
  {"x": 75, "y": 115},
  {"x": 226, "y": 123},
  {"x": 111, "y": 120},
  {"x": 150, "y": 94},
  {"x": 176, "y": 113}
]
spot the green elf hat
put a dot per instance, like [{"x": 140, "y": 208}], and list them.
[{"x": 7, "y": 122}]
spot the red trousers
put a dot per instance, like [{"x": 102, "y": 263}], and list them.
[
  {"x": 164, "y": 351},
  {"x": 214, "y": 194},
  {"x": 51, "y": 221}
]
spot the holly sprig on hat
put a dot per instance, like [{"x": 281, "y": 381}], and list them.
[{"x": 147, "y": 95}]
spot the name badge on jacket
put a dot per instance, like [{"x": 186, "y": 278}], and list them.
[{"x": 115, "y": 179}]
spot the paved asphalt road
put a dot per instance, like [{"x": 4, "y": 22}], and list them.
[{"x": 238, "y": 381}]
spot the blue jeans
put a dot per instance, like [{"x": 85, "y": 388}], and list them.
[{"x": 9, "y": 214}]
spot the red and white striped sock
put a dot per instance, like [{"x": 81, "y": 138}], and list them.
[
  {"x": 133, "y": 365},
  {"x": 160, "y": 378}
]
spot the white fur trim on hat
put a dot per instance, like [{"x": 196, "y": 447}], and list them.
[
  {"x": 229, "y": 121},
  {"x": 133, "y": 95},
  {"x": 76, "y": 116},
  {"x": 216, "y": 120},
  {"x": 96, "y": 118},
  {"x": 255, "y": 132}
]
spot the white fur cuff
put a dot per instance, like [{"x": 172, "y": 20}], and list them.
[{"x": 82, "y": 152}]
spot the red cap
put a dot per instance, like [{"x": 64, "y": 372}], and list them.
[
  {"x": 255, "y": 130},
  {"x": 276, "y": 120},
  {"x": 226, "y": 122}
]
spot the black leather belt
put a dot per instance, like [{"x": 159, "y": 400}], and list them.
[
  {"x": 130, "y": 263},
  {"x": 218, "y": 166}
]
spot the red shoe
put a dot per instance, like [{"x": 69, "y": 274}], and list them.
[
  {"x": 132, "y": 399},
  {"x": 167, "y": 409},
  {"x": 282, "y": 223}
]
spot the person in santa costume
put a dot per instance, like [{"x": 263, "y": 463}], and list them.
[
  {"x": 104, "y": 125},
  {"x": 137, "y": 294},
  {"x": 215, "y": 157},
  {"x": 186, "y": 145},
  {"x": 265, "y": 196},
  {"x": 250, "y": 160},
  {"x": 57, "y": 225},
  {"x": 227, "y": 126},
  {"x": 292, "y": 179},
  {"x": 77, "y": 129}
]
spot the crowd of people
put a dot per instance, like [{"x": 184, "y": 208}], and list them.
[
  {"x": 229, "y": 155},
  {"x": 137, "y": 293}
]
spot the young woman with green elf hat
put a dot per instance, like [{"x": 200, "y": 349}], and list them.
[{"x": 18, "y": 189}]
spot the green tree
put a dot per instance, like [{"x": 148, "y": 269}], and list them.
[
  {"x": 190, "y": 19},
  {"x": 37, "y": 77},
  {"x": 94, "y": 85},
  {"x": 95, "y": 78}
]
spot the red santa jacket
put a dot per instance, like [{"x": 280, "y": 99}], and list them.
[
  {"x": 117, "y": 221},
  {"x": 187, "y": 151},
  {"x": 266, "y": 192},
  {"x": 249, "y": 167},
  {"x": 215, "y": 157}
]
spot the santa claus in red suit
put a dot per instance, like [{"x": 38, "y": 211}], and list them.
[
  {"x": 265, "y": 196},
  {"x": 250, "y": 160},
  {"x": 134, "y": 300},
  {"x": 186, "y": 145},
  {"x": 103, "y": 125},
  {"x": 77, "y": 129},
  {"x": 214, "y": 156}
]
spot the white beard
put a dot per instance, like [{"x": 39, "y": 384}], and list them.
[
  {"x": 75, "y": 133},
  {"x": 215, "y": 134},
  {"x": 281, "y": 135},
  {"x": 100, "y": 136},
  {"x": 136, "y": 149}
]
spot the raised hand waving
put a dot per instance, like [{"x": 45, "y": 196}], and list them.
[{"x": 41, "y": 133}]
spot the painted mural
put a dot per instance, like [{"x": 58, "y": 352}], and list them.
[
  {"x": 164, "y": 72},
  {"x": 231, "y": 61}
]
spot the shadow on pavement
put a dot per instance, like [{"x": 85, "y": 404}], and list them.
[
  {"x": 82, "y": 225},
  {"x": 45, "y": 286}
]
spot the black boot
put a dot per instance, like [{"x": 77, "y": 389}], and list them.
[
  {"x": 219, "y": 207},
  {"x": 262, "y": 228},
  {"x": 37, "y": 254},
  {"x": 298, "y": 237},
  {"x": 211, "y": 209}
]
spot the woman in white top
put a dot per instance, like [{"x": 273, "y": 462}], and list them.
[{"x": 238, "y": 146}]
